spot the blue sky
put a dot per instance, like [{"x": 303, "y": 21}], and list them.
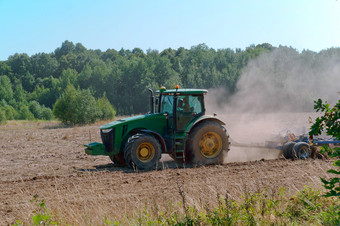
[{"x": 42, "y": 25}]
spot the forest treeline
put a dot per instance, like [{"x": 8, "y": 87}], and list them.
[{"x": 31, "y": 85}]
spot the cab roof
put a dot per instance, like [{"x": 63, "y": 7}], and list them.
[{"x": 183, "y": 91}]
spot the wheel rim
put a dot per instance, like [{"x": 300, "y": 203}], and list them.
[
  {"x": 210, "y": 144},
  {"x": 145, "y": 152},
  {"x": 304, "y": 152}
]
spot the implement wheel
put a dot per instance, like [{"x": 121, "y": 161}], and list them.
[
  {"x": 208, "y": 143},
  {"x": 142, "y": 151},
  {"x": 287, "y": 149},
  {"x": 301, "y": 150}
]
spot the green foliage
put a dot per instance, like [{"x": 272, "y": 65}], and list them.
[
  {"x": 105, "y": 108},
  {"x": 3, "y": 117},
  {"x": 125, "y": 75},
  {"x": 330, "y": 123},
  {"x": 24, "y": 113},
  {"x": 259, "y": 208},
  {"x": 78, "y": 107},
  {"x": 42, "y": 216},
  {"x": 6, "y": 91},
  {"x": 35, "y": 108},
  {"x": 40, "y": 111},
  {"x": 46, "y": 113},
  {"x": 265, "y": 207},
  {"x": 10, "y": 112}
]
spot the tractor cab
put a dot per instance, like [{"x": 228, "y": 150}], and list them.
[{"x": 181, "y": 106}]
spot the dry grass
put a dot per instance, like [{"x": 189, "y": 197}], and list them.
[{"x": 83, "y": 198}]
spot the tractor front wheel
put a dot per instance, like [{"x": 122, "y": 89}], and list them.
[
  {"x": 208, "y": 143},
  {"x": 142, "y": 151}
]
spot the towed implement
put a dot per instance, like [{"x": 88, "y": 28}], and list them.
[
  {"x": 177, "y": 125},
  {"x": 300, "y": 147}
]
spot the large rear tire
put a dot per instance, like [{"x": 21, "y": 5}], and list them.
[
  {"x": 208, "y": 143},
  {"x": 142, "y": 151}
]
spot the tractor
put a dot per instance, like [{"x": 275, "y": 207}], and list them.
[{"x": 176, "y": 125}]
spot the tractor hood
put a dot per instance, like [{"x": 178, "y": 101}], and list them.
[{"x": 128, "y": 120}]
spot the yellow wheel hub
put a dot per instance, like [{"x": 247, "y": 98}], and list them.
[
  {"x": 210, "y": 144},
  {"x": 145, "y": 152}
]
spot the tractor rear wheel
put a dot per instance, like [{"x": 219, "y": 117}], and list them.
[
  {"x": 208, "y": 143},
  {"x": 142, "y": 151}
]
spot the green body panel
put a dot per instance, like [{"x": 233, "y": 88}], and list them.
[{"x": 125, "y": 127}]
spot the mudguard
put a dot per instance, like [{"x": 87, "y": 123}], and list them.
[
  {"x": 203, "y": 118},
  {"x": 158, "y": 137}
]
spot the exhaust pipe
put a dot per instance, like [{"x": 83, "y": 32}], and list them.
[{"x": 152, "y": 101}]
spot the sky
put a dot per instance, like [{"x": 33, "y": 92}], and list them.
[{"x": 37, "y": 26}]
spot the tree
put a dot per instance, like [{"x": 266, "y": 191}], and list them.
[
  {"x": 19, "y": 93},
  {"x": 6, "y": 91},
  {"x": 44, "y": 65},
  {"x": 20, "y": 64},
  {"x": 24, "y": 113},
  {"x": 66, "y": 48},
  {"x": 330, "y": 123},
  {"x": 2, "y": 116},
  {"x": 76, "y": 107},
  {"x": 105, "y": 108}
]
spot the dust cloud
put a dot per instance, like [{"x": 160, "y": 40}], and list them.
[{"x": 274, "y": 94}]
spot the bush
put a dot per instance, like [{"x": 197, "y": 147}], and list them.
[
  {"x": 35, "y": 108},
  {"x": 2, "y": 116},
  {"x": 105, "y": 108},
  {"x": 10, "y": 112},
  {"x": 46, "y": 113},
  {"x": 40, "y": 111},
  {"x": 24, "y": 113},
  {"x": 330, "y": 123},
  {"x": 76, "y": 107}
]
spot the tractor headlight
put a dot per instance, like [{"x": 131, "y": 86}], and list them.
[{"x": 106, "y": 130}]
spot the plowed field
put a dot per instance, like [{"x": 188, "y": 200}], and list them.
[{"x": 47, "y": 159}]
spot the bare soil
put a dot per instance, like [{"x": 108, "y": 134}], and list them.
[{"x": 48, "y": 160}]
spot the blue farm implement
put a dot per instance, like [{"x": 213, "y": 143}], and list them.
[{"x": 300, "y": 147}]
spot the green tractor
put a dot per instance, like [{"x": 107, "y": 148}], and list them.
[{"x": 177, "y": 125}]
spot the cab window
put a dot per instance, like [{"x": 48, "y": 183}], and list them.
[
  {"x": 166, "y": 104},
  {"x": 191, "y": 104}
]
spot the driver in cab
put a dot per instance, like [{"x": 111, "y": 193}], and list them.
[{"x": 183, "y": 105}]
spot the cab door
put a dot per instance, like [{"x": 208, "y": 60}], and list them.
[
  {"x": 166, "y": 106},
  {"x": 188, "y": 107}
]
